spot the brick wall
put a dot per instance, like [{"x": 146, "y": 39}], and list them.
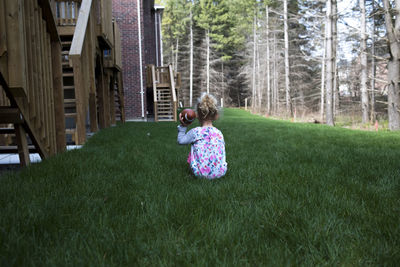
[{"x": 125, "y": 13}]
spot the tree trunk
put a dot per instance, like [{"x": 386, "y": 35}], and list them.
[
  {"x": 253, "y": 97},
  {"x": 393, "y": 94},
  {"x": 208, "y": 60},
  {"x": 222, "y": 82},
  {"x": 191, "y": 60},
  {"x": 373, "y": 66},
  {"x": 259, "y": 81},
  {"x": 268, "y": 63},
  {"x": 289, "y": 109},
  {"x": 176, "y": 54},
  {"x": 276, "y": 78},
  {"x": 392, "y": 32},
  {"x": 364, "y": 70},
  {"x": 334, "y": 53},
  {"x": 329, "y": 66},
  {"x": 323, "y": 63}
]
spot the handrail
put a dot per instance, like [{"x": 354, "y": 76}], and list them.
[
  {"x": 153, "y": 78},
  {"x": 80, "y": 30},
  {"x": 66, "y": 11},
  {"x": 172, "y": 80}
]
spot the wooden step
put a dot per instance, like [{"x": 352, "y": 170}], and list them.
[
  {"x": 70, "y": 131},
  {"x": 70, "y": 115},
  {"x": 10, "y": 115},
  {"x": 14, "y": 149},
  {"x": 68, "y": 74},
  {"x": 163, "y": 85},
  {"x": 7, "y": 131},
  {"x": 65, "y": 43},
  {"x": 70, "y": 87},
  {"x": 69, "y": 101}
]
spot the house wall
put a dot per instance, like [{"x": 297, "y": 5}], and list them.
[{"x": 125, "y": 13}]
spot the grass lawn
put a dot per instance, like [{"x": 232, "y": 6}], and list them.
[{"x": 294, "y": 194}]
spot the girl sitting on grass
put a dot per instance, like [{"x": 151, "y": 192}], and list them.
[{"x": 207, "y": 156}]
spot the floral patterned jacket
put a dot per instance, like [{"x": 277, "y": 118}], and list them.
[{"x": 207, "y": 157}]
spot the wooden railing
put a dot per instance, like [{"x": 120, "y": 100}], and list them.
[
  {"x": 154, "y": 85},
  {"x": 81, "y": 59},
  {"x": 113, "y": 57},
  {"x": 67, "y": 12},
  {"x": 173, "y": 91},
  {"x": 30, "y": 66},
  {"x": 104, "y": 22}
]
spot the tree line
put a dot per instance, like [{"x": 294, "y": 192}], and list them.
[{"x": 322, "y": 59}]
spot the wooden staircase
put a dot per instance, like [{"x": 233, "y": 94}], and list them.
[
  {"x": 69, "y": 89},
  {"x": 164, "y": 104},
  {"x": 91, "y": 66},
  {"x": 119, "y": 100},
  {"x": 162, "y": 81}
]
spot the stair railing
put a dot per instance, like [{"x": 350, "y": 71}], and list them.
[
  {"x": 80, "y": 57},
  {"x": 173, "y": 92},
  {"x": 67, "y": 11},
  {"x": 154, "y": 84}
]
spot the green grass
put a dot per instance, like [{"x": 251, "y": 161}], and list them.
[{"x": 294, "y": 194}]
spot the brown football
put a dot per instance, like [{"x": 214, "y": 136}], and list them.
[{"x": 188, "y": 115}]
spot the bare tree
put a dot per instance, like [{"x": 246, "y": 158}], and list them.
[
  {"x": 253, "y": 98},
  {"x": 268, "y": 63},
  {"x": 208, "y": 60},
  {"x": 334, "y": 53},
  {"x": 373, "y": 65},
  {"x": 364, "y": 70},
  {"x": 329, "y": 66},
  {"x": 323, "y": 72},
  {"x": 289, "y": 109},
  {"x": 191, "y": 58},
  {"x": 393, "y": 35}
]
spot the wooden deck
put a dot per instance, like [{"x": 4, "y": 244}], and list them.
[{"x": 35, "y": 69}]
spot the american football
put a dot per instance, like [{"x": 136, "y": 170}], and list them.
[{"x": 188, "y": 115}]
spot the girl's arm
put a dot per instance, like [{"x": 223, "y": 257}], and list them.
[{"x": 183, "y": 137}]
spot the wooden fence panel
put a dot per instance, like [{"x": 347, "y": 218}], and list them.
[{"x": 32, "y": 71}]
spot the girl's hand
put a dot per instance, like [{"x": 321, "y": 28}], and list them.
[{"x": 181, "y": 120}]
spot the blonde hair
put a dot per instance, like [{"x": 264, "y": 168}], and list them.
[{"x": 207, "y": 107}]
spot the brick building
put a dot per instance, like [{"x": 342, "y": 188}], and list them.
[{"x": 140, "y": 25}]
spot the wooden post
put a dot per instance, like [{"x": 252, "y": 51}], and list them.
[
  {"x": 101, "y": 98},
  {"x": 58, "y": 96},
  {"x": 22, "y": 144},
  {"x": 16, "y": 47},
  {"x": 112, "y": 99},
  {"x": 93, "y": 112},
  {"x": 107, "y": 99},
  {"x": 79, "y": 96},
  {"x": 92, "y": 81},
  {"x": 3, "y": 42},
  {"x": 121, "y": 96},
  {"x": 155, "y": 98}
]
